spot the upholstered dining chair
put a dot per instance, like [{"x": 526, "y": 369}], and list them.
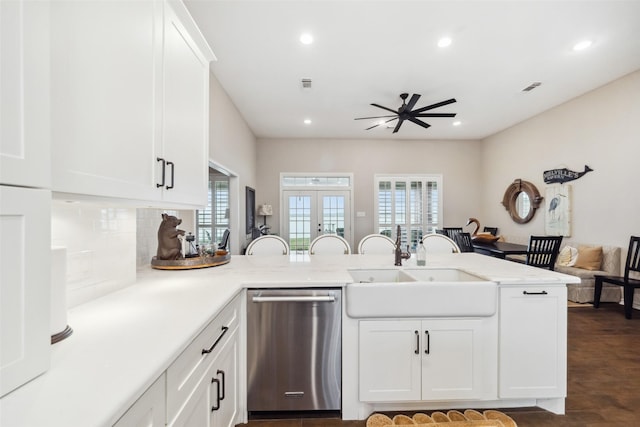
[
  {"x": 329, "y": 244},
  {"x": 438, "y": 243},
  {"x": 464, "y": 242},
  {"x": 269, "y": 244},
  {"x": 629, "y": 284},
  {"x": 376, "y": 244},
  {"x": 543, "y": 251}
]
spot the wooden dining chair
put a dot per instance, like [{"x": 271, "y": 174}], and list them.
[
  {"x": 464, "y": 242},
  {"x": 543, "y": 251},
  {"x": 629, "y": 284},
  {"x": 451, "y": 232},
  {"x": 492, "y": 230}
]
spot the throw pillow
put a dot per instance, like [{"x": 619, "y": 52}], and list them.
[
  {"x": 568, "y": 256},
  {"x": 589, "y": 257}
]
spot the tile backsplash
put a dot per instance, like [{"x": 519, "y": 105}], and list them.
[
  {"x": 101, "y": 248},
  {"x": 106, "y": 245}
]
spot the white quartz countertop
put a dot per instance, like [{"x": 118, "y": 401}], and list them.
[{"x": 123, "y": 341}]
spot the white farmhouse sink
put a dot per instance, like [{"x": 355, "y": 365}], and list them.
[
  {"x": 380, "y": 276},
  {"x": 419, "y": 293}
]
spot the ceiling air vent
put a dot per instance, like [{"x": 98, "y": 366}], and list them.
[
  {"x": 532, "y": 86},
  {"x": 306, "y": 83}
]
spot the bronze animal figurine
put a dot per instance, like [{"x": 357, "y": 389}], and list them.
[{"x": 169, "y": 245}]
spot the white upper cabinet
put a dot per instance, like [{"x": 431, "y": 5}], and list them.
[
  {"x": 24, "y": 94},
  {"x": 185, "y": 110},
  {"x": 127, "y": 91}
]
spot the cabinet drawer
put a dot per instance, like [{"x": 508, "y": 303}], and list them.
[{"x": 188, "y": 369}]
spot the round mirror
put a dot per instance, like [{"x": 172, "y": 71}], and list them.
[
  {"x": 521, "y": 200},
  {"x": 523, "y": 204}
]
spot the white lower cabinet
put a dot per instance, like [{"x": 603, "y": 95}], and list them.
[
  {"x": 202, "y": 383},
  {"x": 413, "y": 360},
  {"x": 149, "y": 410},
  {"x": 533, "y": 342}
]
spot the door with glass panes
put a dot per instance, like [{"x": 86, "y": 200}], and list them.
[{"x": 311, "y": 213}]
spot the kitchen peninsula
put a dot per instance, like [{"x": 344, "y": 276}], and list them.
[{"x": 127, "y": 344}]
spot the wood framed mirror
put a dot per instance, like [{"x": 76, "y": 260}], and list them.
[{"x": 521, "y": 201}]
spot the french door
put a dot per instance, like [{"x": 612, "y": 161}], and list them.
[{"x": 311, "y": 213}]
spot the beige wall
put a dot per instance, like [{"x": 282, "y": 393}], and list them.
[
  {"x": 457, "y": 161},
  {"x": 232, "y": 146},
  {"x": 600, "y": 129}
]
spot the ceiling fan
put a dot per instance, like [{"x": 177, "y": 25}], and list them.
[{"x": 405, "y": 112}]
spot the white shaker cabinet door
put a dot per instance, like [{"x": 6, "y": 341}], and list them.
[
  {"x": 533, "y": 342},
  {"x": 185, "y": 110},
  {"x": 104, "y": 83},
  {"x": 453, "y": 359},
  {"x": 24, "y": 94},
  {"x": 389, "y": 360},
  {"x": 25, "y": 250}
]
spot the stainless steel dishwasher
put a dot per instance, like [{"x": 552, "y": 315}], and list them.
[{"x": 294, "y": 350}]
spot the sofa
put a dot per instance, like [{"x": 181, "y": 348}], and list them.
[{"x": 583, "y": 291}]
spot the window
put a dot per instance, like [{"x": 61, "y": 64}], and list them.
[
  {"x": 411, "y": 202},
  {"x": 214, "y": 219}
]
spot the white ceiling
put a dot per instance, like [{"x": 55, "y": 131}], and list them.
[{"x": 371, "y": 51}]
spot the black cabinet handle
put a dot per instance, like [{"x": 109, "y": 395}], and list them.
[
  {"x": 210, "y": 349},
  {"x": 160, "y": 159},
  {"x": 224, "y": 384},
  {"x": 173, "y": 167},
  {"x": 417, "y": 342},
  {"x": 534, "y": 293},
  {"x": 217, "y": 405},
  {"x": 428, "y": 346}
]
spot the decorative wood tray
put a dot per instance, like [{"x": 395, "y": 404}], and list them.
[{"x": 190, "y": 263}]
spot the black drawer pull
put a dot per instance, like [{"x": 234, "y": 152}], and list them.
[
  {"x": 224, "y": 331},
  {"x": 534, "y": 293}
]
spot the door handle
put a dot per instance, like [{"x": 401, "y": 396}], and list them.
[
  {"x": 534, "y": 293},
  {"x": 217, "y": 405},
  {"x": 417, "y": 342},
  {"x": 173, "y": 167},
  {"x": 210, "y": 349},
  {"x": 327, "y": 298},
  {"x": 160, "y": 159},
  {"x": 428, "y": 344},
  {"x": 224, "y": 383}
]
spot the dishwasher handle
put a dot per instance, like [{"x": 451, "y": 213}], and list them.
[{"x": 295, "y": 298}]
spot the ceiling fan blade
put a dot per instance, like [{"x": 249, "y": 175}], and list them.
[
  {"x": 412, "y": 102},
  {"x": 398, "y": 126},
  {"x": 374, "y": 117},
  {"x": 436, "y": 105},
  {"x": 385, "y": 108},
  {"x": 419, "y": 122},
  {"x": 434, "y": 115},
  {"x": 379, "y": 124}
]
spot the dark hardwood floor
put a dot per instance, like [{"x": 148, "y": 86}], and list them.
[{"x": 603, "y": 376}]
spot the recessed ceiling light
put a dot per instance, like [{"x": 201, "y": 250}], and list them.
[
  {"x": 444, "y": 42},
  {"x": 457, "y": 123},
  {"x": 307, "y": 121},
  {"x": 306, "y": 38},
  {"x": 584, "y": 44}
]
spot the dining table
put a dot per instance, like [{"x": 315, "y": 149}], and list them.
[{"x": 500, "y": 249}]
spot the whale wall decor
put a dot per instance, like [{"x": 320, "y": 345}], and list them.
[{"x": 563, "y": 175}]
